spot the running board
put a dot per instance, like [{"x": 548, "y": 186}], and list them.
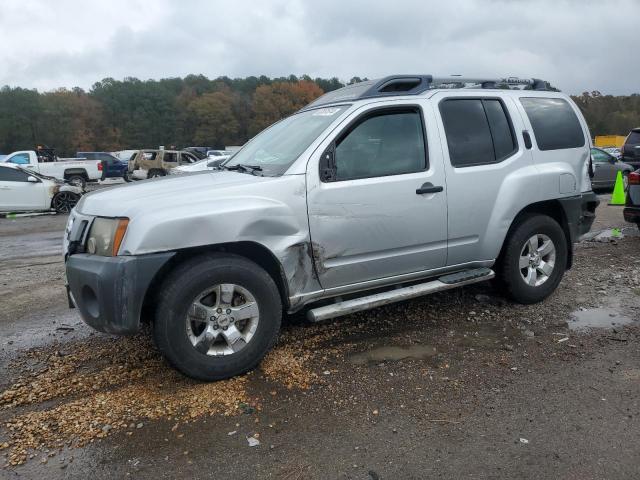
[{"x": 445, "y": 282}]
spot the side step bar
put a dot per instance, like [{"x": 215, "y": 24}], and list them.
[{"x": 445, "y": 282}]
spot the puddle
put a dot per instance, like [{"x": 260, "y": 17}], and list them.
[
  {"x": 606, "y": 318},
  {"x": 393, "y": 353}
]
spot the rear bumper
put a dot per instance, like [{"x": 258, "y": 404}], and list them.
[
  {"x": 632, "y": 214},
  {"x": 109, "y": 291},
  {"x": 580, "y": 212}
]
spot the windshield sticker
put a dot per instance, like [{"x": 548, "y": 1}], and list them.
[{"x": 325, "y": 112}]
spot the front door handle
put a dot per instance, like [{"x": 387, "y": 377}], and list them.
[{"x": 429, "y": 188}]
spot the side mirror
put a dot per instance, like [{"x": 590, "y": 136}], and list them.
[
  {"x": 32, "y": 179},
  {"x": 613, "y": 160}
]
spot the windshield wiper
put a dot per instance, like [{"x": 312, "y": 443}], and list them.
[{"x": 243, "y": 168}]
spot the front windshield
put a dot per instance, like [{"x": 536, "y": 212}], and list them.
[{"x": 276, "y": 148}]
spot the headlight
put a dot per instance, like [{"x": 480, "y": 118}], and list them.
[{"x": 106, "y": 235}]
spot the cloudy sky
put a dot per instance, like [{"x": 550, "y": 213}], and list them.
[{"x": 578, "y": 45}]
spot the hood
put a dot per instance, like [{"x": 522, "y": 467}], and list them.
[{"x": 133, "y": 199}]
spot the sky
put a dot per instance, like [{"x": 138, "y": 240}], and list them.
[{"x": 577, "y": 45}]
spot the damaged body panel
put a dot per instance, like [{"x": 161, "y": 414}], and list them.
[{"x": 262, "y": 210}]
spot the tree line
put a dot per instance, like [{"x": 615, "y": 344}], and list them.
[{"x": 195, "y": 110}]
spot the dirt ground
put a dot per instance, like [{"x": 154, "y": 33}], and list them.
[{"x": 461, "y": 384}]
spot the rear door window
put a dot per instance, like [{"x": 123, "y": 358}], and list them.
[
  {"x": 170, "y": 157},
  {"x": 478, "y": 131},
  {"x": 599, "y": 156},
  {"x": 555, "y": 124}
]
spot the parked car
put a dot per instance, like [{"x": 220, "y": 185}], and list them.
[
  {"x": 157, "y": 163},
  {"x": 218, "y": 153},
  {"x": 375, "y": 193},
  {"x": 22, "y": 190},
  {"x": 211, "y": 163},
  {"x": 200, "y": 152},
  {"x": 75, "y": 171},
  {"x": 113, "y": 166},
  {"x": 615, "y": 151},
  {"x": 631, "y": 149},
  {"x": 631, "y": 210},
  {"x": 606, "y": 168}
]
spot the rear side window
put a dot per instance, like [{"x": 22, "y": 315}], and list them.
[
  {"x": 554, "y": 123},
  {"x": 20, "y": 159},
  {"x": 633, "y": 139},
  {"x": 478, "y": 131}
]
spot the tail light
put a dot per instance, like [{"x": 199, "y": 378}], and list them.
[
  {"x": 634, "y": 178},
  {"x": 100, "y": 167}
]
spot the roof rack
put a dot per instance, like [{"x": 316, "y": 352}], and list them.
[
  {"x": 415, "y": 84},
  {"x": 457, "y": 81}
]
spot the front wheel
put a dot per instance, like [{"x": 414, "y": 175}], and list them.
[
  {"x": 218, "y": 316},
  {"x": 126, "y": 177},
  {"x": 534, "y": 259},
  {"x": 63, "y": 202}
]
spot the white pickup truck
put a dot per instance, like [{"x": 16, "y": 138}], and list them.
[{"x": 75, "y": 171}]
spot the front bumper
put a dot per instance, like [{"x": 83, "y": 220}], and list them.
[{"x": 109, "y": 291}]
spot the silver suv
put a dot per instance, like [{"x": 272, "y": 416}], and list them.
[{"x": 378, "y": 192}]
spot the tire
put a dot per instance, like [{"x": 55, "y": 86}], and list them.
[
  {"x": 531, "y": 284},
  {"x": 156, "y": 173},
  {"x": 77, "y": 180},
  {"x": 125, "y": 176},
  {"x": 63, "y": 202},
  {"x": 202, "y": 359}
]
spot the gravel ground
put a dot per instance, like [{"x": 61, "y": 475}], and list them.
[{"x": 457, "y": 385}]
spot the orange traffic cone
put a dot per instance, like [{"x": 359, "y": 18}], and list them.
[{"x": 618, "y": 197}]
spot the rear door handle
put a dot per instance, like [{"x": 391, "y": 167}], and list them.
[
  {"x": 429, "y": 188},
  {"x": 527, "y": 140}
]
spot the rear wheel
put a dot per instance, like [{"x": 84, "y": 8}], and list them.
[
  {"x": 218, "y": 317},
  {"x": 125, "y": 176},
  {"x": 77, "y": 180},
  {"x": 534, "y": 259}
]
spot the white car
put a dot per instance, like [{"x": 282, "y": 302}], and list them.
[
  {"x": 25, "y": 191},
  {"x": 207, "y": 164}
]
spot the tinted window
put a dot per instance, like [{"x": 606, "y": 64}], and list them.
[
  {"x": 20, "y": 159},
  {"x": 170, "y": 157},
  {"x": 389, "y": 143},
  {"x": 503, "y": 142},
  {"x": 478, "y": 131},
  {"x": 633, "y": 139},
  {"x": 8, "y": 174},
  {"x": 554, "y": 123}
]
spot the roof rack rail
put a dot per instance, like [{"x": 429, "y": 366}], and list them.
[
  {"x": 395, "y": 85},
  {"x": 457, "y": 81}
]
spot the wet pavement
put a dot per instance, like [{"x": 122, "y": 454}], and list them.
[{"x": 461, "y": 384}]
